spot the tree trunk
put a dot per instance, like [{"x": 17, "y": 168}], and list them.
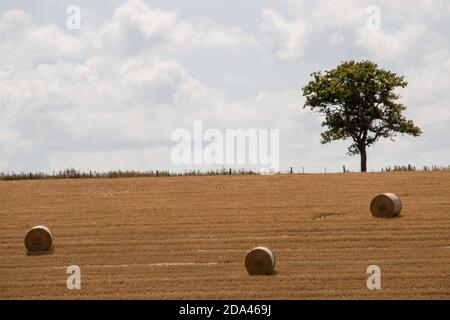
[{"x": 363, "y": 153}]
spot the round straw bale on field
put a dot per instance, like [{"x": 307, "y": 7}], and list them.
[
  {"x": 260, "y": 261},
  {"x": 39, "y": 239},
  {"x": 386, "y": 205}
]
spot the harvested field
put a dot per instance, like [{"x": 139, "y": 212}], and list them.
[{"x": 186, "y": 237}]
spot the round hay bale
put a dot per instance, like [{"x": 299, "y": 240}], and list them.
[
  {"x": 39, "y": 239},
  {"x": 260, "y": 261},
  {"x": 386, "y": 205}
]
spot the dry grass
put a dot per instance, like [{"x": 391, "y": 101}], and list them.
[{"x": 186, "y": 237}]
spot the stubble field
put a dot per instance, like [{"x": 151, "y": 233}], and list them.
[{"x": 186, "y": 237}]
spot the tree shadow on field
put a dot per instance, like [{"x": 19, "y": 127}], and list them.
[
  {"x": 274, "y": 273},
  {"x": 398, "y": 216},
  {"x": 40, "y": 253}
]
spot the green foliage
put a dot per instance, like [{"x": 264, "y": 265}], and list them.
[{"x": 359, "y": 102}]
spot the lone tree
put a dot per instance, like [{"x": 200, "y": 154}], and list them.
[{"x": 359, "y": 103}]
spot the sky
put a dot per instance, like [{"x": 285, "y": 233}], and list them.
[{"x": 109, "y": 94}]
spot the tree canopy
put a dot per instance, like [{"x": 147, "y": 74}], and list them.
[{"x": 359, "y": 102}]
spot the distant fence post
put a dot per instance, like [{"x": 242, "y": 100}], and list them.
[
  {"x": 291, "y": 169},
  {"x": 343, "y": 168},
  {"x": 230, "y": 171}
]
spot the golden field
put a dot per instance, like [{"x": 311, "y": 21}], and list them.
[{"x": 186, "y": 237}]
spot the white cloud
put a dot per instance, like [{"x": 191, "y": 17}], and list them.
[
  {"x": 306, "y": 24},
  {"x": 290, "y": 39},
  {"x": 24, "y": 42},
  {"x": 137, "y": 26},
  {"x": 134, "y": 27},
  {"x": 387, "y": 45},
  {"x": 309, "y": 27},
  {"x": 428, "y": 90}
]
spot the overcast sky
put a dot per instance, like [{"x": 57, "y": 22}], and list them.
[{"x": 109, "y": 95}]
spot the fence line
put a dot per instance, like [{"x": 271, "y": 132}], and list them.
[
  {"x": 75, "y": 174},
  {"x": 346, "y": 169}
]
